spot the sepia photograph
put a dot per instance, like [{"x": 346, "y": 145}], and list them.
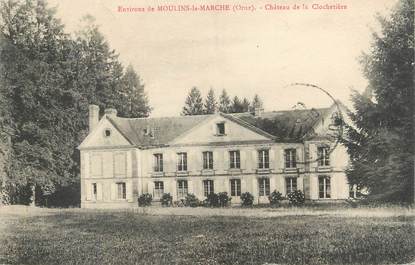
[{"x": 207, "y": 132}]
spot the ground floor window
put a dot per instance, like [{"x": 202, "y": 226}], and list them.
[
  {"x": 235, "y": 187},
  {"x": 94, "y": 191},
  {"x": 121, "y": 191},
  {"x": 158, "y": 189},
  {"x": 208, "y": 187},
  {"x": 263, "y": 184},
  {"x": 290, "y": 184},
  {"x": 324, "y": 189},
  {"x": 182, "y": 188}
]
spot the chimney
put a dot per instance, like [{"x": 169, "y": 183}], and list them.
[
  {"x": 93, "y": 117},
  {"x": 112, "y": 113},
  {"x": 258, "y": 111}
]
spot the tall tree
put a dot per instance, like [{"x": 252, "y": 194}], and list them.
[
  {"x": 210, "y": 102},
  {"x": 224, "y": 102},
  {"x": 245, "y": 105},
  {"x": 381, "y": 142},
  {"x": 194, "y": 103},
  {"x": 133, "y": 96},
  {"x": 256, "y": 102},
  {"x": 237, "y": 106}
]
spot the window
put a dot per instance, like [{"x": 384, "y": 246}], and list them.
[
  {"x": 107, "y": 132},
  {"x": 323, "y": 156},
  {"x": 220, "y": 128},
  {"x": 263, "y": 184},
  {"x": 207, "y": 160},
  {"x": 182, "y": 162},
  {"x": 94, "y": 191},
  {"x": 290, "y": 184},
  {"x": 158, "y": 162},
  {"x": 96, "y": 165},
  {"x": 182, "y": 188},
  {"x": 235, "y": 187},
  {"x": 208, "y": 187},
  {"x": 263, "y": 159},
  {"x": 158, "y": 189},
  {"x": 121, "y": 191},
  {"x": 120, "y": 165},
  {"x": 290, "y": 158},
  {"x": 234, "y": 159},
  {"x": 324, "y": 187}
]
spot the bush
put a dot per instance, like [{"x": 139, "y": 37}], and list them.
[
  {"x": 191, "y": 200},
  {"x": 247, "y": 199},
  {"x": 296, "y": 198},
  {"x": 145, "y": 199},
  {"x": 166, "y": 199},
  {"x": 224, "y": 199},
  {"x": 275, "y": 198},
  {"x": 212, "y": 200}
]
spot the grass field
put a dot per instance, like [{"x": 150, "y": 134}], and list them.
[{"x": 77, "y": 236}]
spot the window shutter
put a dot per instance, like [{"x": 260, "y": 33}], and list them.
[
  {"x": 283, "y": 158},
  {"x": 129, "y": 193},
  {"x": 254, "y": 160},
  {"x": 190, "y": 186},
  {"x": 297, "y": 155},
  {"x": 129, "y": 167},
  {"x": 99, "y": 191},
  {"x": 226, "y": 159},
  {"x": 113, "y": 191},
  {"x": 86, "y": 166},
  {"x": 88, "y": 190},
  {"x": 243, "y": 186},
  {"x": 150, "y": 188}
]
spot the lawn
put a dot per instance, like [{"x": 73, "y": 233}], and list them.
[{"x": 77, "y": 236}]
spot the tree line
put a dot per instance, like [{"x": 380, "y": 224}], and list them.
[
  {"x": 196, "y": 105},
  {"x": 47, "y": 80}
]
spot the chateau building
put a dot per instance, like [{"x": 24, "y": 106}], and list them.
[{"x": 258, "y": 152}]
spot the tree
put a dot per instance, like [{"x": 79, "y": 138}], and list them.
[
  {"x": 193, "y": 103},
  {"x": 237, "y": 106},
  {"x": 210, "y": 102},
  {"x": 256, "y": 103},
  {"x": 245, "y": 105},
  {"x": 381, "y": 142},
  {"x": 224, "y": 102}
]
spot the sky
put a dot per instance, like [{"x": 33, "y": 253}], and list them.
[{"x": 246, "y": 53}]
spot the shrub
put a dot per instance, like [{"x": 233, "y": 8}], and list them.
[
  {"x": 224, "y": 199},
  {"x": 145, "y": 199},
  {"x": 296, "y": 198},
  {"x": 191, "y": 200},
  {"x": 247, "y": 199},
  {"x": 166, "y": 199},
  {"x": 212, "y": 200},
  {"x": 275, "y": 198}
]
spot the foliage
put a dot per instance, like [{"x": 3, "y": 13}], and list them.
[
  {"x": 256, "y": 103},
  {"x": 296, "y": 198},
  {"x": 381, "y": 141},
  {"x": 247, "y": 199},
  {"x": 194, "y": 103},
  {"x": 223, "y": 199},
  {"x": 224, "y": 102},
  {"x": 275, "y": 198},
  {"x": 166, "y": 199},
  {"x": 145, "y": 199},
  {"x": 212, "y": 200},
  {"x": 48, "y": 79},
  {"x": 210, "y": 105},
  {"x": 191, "y": 200}
]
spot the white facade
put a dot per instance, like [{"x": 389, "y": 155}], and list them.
[{"x": 115, "y": 170}]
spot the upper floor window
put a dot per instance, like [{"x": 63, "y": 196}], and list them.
[
  {"x": 181, "y": 161},
  {"x": 107, "y": 132},
  {"x": 158, "y": 189},
  {"x": 290, "y": 184},
  {"x": 234, "y": 159},
  {"x": 263, "y": 159},
  {"x": 207, "y": 160},
  {"x": 323, "y": 156},
  {"x": 208, "y": 187},
  {"x": 220, "y": 128},
  {"x": 290, "y": 158},
  {"x": 264, "y": 187},
  {"x": 120, "y": 164},
  {"x": 324, "y": 189},
  {"x": 121, "y": 191},
  {"x": 235, "y": 187},
  {"x": 158, "y": 162}
]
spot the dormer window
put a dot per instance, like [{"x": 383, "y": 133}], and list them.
[
  {"x": 107, "y": 132},
  {"x": 220, "y": 128}
]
